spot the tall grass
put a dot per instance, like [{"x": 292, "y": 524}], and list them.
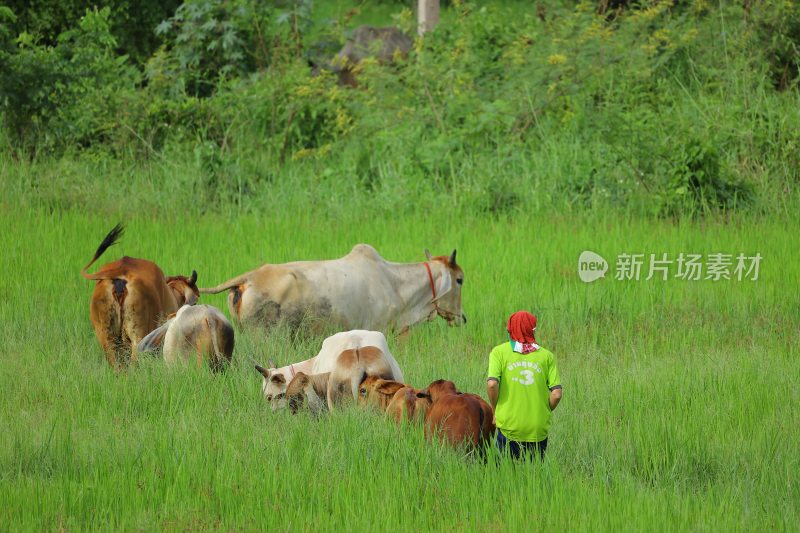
[{"x": 679, "y": 409}]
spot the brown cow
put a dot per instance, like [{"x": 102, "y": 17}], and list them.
[
  {"x": 460, "y": 419},
  {"x": 396, "y": 399},
  {"x": 131, "y": 297},
  {"x": 407, "y": 405},
  {"x": 378, "y": 392},
  {"x": 305, "y": 389}
]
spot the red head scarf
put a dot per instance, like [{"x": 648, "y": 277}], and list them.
[{"x": 521, "y": 326}]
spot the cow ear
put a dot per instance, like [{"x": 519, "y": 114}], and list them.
[
  {"x": 389, "y": 387},
  {"x": 278, "y": 378},
  {"x": 444, "y": 283},
  {"x": 428, "y": 254},
  {"x": 193, "y": 279},
  {"x": 152, "y": 341},
  {"x": 452, "y": 259},
  {"x": 263, "y": 371}
]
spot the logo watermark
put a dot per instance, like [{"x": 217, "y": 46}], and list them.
[
  {"x": 591, "y": 266},
  {"x": 663, "y": 266}
]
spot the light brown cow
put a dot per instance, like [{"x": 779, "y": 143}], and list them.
[
  {"x": 130, "y": 298},
  {"x": 378, "y": 392},
  {"x": 199, "y": 332},
  {"x": 407, "y": 405},
  {"x": 360, "y": 290},
  {"x": 459, "y": 419},
  {"x": 304, "y": 389},
  {"x": 398, "y": 400}
]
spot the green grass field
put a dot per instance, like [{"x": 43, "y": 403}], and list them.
[{"x": 680, "y": 397}]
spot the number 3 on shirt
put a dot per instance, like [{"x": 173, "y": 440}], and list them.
[{"x": 528, "y": 377}]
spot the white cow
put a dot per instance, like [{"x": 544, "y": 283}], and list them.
[
  {"x": 359, "y": 290},
  {"x": 348, "y": 356},
  {"x": 199, "y": 331}
]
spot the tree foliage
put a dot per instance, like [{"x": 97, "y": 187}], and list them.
[{"x": 666, "y": 107}]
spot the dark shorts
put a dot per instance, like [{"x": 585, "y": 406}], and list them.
[{"x": 520, "y": 449}]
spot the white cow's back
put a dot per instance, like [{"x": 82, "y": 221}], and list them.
[
  {"x": 183, "y": 331},
  {"x": 357, "y": 286},
  {"x": 334, "y": 345}
]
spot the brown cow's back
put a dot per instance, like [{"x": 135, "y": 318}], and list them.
[
  {"x": 406, "y": 405},
  {"x": 129, "y": 300},
  {"x": 458, "y": 418}
]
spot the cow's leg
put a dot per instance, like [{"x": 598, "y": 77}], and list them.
[
  {"x": 109, "y": 345},
  {"x": 339, "y": 390},
  {"x": 141, "y": 312},
  {"x": 105, "y": 315}
]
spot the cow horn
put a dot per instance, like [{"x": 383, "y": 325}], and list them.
[
  {"x": 453, "y": 258},
  {"x": 428, "y": 254},
  {"x": 263, "y": 371},
  {"x": 272, "y": 364},
  {"x": 193, "y": 279}
]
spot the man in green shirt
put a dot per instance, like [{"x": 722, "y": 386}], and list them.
[{"x": 523, "y": 387}]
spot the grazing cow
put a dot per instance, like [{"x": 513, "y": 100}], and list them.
[
  {"x": 305, "y": 389},
  {"x": 460, "y": 419},
  {"x": 378, "y": 392},
  {"x": 201, "y": 331},
  {"x": 397, "y": 400},
  {"x": 384, "y": 44},
  {"x": 131, "y": 297},
  {"x": 359, "y": 290},
  {"x": 406, "y": 404},
  {"x": 348, "y": 356}
]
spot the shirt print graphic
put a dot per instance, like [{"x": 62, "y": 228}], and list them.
[{"x": 525, "y": 375}]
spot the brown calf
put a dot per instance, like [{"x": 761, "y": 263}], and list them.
[
  {"x": 396, "y": 399},
  {"x": 460, "y": 419},
  {"x": 406, "y": 404},
  {"x": 130, "y": 298},
  {"x": 378, "y": 392}
]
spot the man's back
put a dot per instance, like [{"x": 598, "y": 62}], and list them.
[{"x": 523, "y": 410}]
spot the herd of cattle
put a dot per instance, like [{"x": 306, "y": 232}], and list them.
[{"x": 135, "y": 308}]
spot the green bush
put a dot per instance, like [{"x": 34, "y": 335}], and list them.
[
  {"x": 67, "y": 95},
  {"x": 497, "y": 110},
  {"x": 132, "y": 22}
]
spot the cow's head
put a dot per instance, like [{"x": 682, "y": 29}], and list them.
[
  {"x": 437, "y": 389},
  {"x": 273, "y": 386},
  {"x": 377, "y": 392},
  {"x": 184, "y": 289},
  {"x": 448, "y": 289},
  {"x": 295, "y": 397}
]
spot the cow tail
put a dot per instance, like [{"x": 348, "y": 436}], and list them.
[
  {"x": 217, "y": 363},
  {"x": 230, "y": 284},
  {"x": 355, "y": 383},
  {"x": 110, "y": 240}
]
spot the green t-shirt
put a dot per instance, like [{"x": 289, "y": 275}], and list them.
[{"x": 523, "y": 406}]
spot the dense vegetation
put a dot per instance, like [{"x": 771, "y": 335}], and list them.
[{"x": 658, "y": 108}]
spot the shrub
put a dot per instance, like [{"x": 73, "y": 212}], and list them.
[{"x": 55, "y": 97}]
